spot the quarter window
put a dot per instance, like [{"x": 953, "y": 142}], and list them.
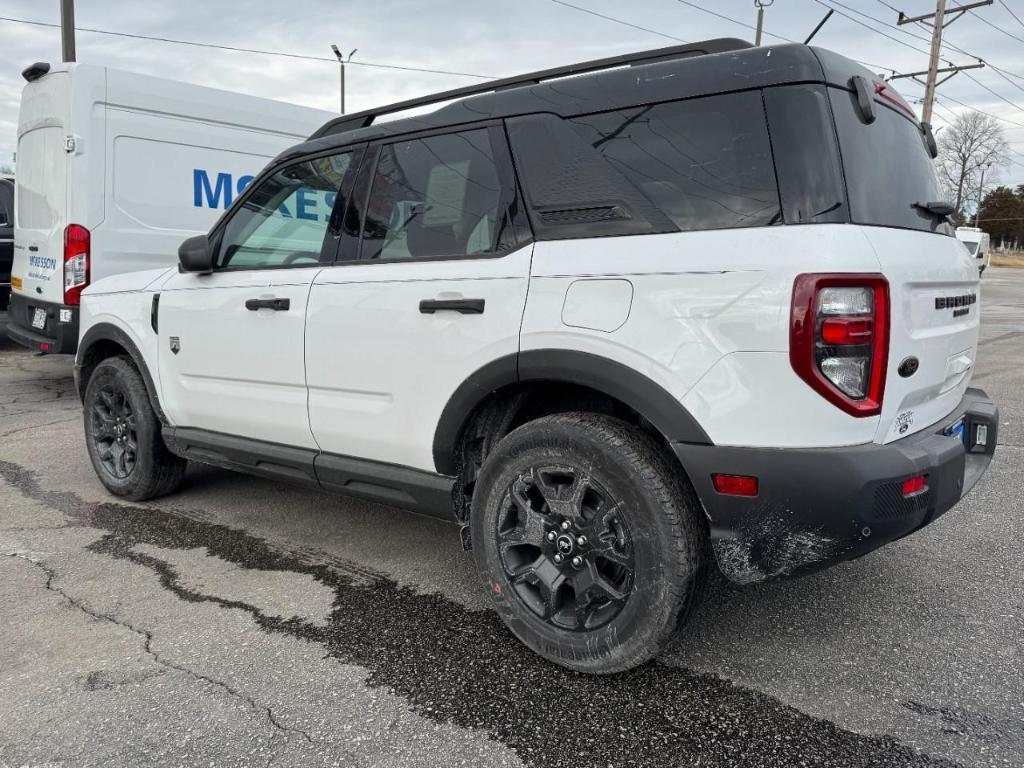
[
  {"x": 704, "y": 163},
  {"x": 284, "y": 220},
  {"x": 434, "y": 197}
]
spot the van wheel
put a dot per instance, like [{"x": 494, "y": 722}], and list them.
[
  {"x": 122, "y": 434},
  {"x": 592, "y": 547}
]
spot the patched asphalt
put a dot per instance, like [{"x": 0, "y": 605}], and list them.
[{"x": 244, "y": 622}]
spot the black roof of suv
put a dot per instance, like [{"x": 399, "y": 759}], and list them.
[{"x": 677, "y": 72}]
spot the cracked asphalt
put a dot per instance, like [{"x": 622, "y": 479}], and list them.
[{"x": 245, "y": 622}]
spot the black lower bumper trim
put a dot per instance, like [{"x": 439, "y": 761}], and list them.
[
  {"x": 816, "y": 507},
  {"x": 57, "y": 336}
]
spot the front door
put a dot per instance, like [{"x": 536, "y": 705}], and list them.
[
  {"x": 436, "y": 291},
  {"x": 231, "y": 343}
]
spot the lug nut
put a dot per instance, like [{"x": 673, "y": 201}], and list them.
[
  {"x": 581, "y": 540},
  {"x": 558, "y": 558},
  {"x": 577, "y": 562},
  {"x": 551, "y": 536},
  {"x": 566, "y": 525}
]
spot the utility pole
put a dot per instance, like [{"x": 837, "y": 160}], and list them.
[
  {"x": 341, "y": 64},
  {"x": 981, "y": 189},
  {"x": 938, "y": 21},
  {"x": 67, "y": 29},
  {"x": 761, "y": 5}
]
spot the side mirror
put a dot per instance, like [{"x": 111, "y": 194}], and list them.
[{"x": 195, "y": 255}]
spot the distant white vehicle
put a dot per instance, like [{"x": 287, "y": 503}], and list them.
[
  {"x": 114, "y": 170},
  {"x": 978, "y": 243}
]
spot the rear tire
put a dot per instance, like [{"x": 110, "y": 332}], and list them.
[
  {"x": 592, "y": 547},
  {"x": 122, "y": 434}
]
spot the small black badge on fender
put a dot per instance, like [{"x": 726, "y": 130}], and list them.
[
  {"x": 909, "y": 367},
  {"x": 175, "y": 344}
]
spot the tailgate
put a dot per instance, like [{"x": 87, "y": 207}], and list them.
[{"x": 933, "y": 285}]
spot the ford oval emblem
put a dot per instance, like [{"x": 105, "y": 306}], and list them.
[{"x": 909, "y": 367}]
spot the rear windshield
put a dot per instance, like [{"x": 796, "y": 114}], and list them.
[{"x": 887, "y": 167}]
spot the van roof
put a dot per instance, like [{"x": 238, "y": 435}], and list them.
[{"x": 665, "y": 74}]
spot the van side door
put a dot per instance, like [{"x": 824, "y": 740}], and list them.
[
  {"x": 433, "y": 290},
  {"x": 231, "y": 351}
]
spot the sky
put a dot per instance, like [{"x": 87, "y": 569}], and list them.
[{"x": 495, "y": 39}]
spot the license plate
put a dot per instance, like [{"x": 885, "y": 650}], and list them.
[
  {"x": 39, "y": 318},
  {"x": 957, "y": 430}
]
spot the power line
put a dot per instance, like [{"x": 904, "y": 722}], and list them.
[
  {"x": 733, "y": 20},
  {"x": 1011, "y": 12},
  {"x": 306, "y": 57},
  {"x": 998, "y": 28},
  {"x": 618, "y": 21},
  {"x": 977, "y": 82}
]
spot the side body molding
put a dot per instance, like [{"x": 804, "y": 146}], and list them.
[
  {"x": 108, "y": 332},
  {"x": 608, "y": 377}
]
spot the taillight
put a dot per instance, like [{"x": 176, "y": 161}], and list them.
[
  {"x": 76, "y": 262},
  {"x": 839, "y": 338}
]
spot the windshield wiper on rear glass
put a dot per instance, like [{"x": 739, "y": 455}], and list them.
[{"x": 937, "y": 208}]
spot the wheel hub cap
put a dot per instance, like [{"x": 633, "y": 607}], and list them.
[{"x": 565, "y": 548}]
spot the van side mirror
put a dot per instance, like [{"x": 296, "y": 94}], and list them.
[
  {"x": 3, "y": 220},
  {"x": 195, "y": 255}
]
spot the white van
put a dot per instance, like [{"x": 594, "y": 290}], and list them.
[
  {"x": 114, "y": 170},
  {"x": 978, "y": 243}
]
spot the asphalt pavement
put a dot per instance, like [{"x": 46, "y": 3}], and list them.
[{"x": 245, "y": 622}]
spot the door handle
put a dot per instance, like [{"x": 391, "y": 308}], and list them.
[
  {"x": 34, "y": 248},
  {"x": 278, "y": 305},
  {"x": 462, "y": 306}
]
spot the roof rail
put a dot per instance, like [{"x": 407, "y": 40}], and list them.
[{"x": 366, "y": 118}]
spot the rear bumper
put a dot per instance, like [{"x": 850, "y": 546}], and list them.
[
  {"x": 57, "y": 336},
  {"x": 817, "y": 507}
]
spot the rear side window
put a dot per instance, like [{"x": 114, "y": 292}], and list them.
[
  {"x": 436, "y": 197},
  {"x": 806, "y": 154},
  {"x": 689, "y": 165},
  {"x": 887, "y": 167}
]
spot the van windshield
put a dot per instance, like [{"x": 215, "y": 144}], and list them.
[{"x": 887, "y": 167}]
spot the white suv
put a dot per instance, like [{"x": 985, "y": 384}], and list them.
[{"x": 696, "y": 300}]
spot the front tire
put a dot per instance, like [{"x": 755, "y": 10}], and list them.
[
  {"x": 122, "y": 434},
  {"x": 592, "y": 546}
]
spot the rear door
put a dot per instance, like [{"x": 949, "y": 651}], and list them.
[
  {"x": 41, "y": 213},
  {"x": 231, "y": 351},
  {"x": 933, "y": 281},
  {"x": 437, "y": 292}
]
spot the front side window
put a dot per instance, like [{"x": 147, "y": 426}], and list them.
[
  {"x": 284, "y": 220},
  {"x": 6, "y": 204},
  {"x": 439, "y": 196}
]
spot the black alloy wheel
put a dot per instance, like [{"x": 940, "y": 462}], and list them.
[
  {"x": 565, "y": 548},
  {"x": 114, "y": 431}
]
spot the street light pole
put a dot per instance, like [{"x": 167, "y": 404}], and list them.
[
  {"x": 761, "y": 5},
  {"x": 341, "y": 65},
  {"x": 67, "y": 29}
]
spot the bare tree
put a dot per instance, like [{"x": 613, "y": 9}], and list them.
[
  {"x": 972, "y": 146},
  {"x": 6, "y": 170}
]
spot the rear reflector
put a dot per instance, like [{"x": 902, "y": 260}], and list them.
[
  {"x": 735, "y": 485},
  {"x": 915, "y": 485}
]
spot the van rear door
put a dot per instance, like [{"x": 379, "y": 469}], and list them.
[
  {"x": 41, "y": 198},
  {"x": 933, "y": 282}
]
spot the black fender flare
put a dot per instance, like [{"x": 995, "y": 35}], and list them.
[
  {"x": 110, "y": 332},
  {"x": 595, "y": 372}
]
